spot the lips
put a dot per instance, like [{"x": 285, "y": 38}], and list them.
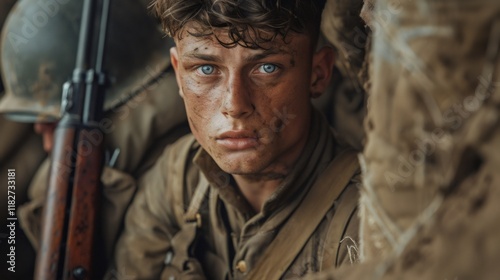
[{"x": 238, "y": 140}]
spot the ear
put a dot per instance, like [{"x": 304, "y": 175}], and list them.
[
  {"x": 322, "y": 66},
  {"x": 174, "y": 59}
]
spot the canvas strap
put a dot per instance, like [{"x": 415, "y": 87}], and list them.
[
  {"x": 334, "y": 237},
  {"x": 303, "y": 222}
]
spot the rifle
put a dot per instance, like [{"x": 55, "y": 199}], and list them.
[{"x": 69, "y": 217}]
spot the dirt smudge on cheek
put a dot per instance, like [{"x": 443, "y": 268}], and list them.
[
  {"x": 266, "y": 134},
  {"x": 191, "y": 87},
  {"x": 277, "y": 126},
  {"x": 198, "y": 111}
]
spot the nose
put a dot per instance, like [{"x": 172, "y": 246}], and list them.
[
  {"x": 46, "y": 130},
  {"x": 237, "y": 102}
]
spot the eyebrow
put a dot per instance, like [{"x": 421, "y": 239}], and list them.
[
  {"x": 206, "y": 57},
  {"x": 251, "y": 58},
  {"x": 264, "y": 54}
]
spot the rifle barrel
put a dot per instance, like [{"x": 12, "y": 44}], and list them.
[{"x": 70, "y": 214}]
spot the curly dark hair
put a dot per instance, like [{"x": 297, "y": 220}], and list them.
[{"x": 249, "y": 23}]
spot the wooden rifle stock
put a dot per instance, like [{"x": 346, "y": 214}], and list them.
[{"x": 70, "y": 215}]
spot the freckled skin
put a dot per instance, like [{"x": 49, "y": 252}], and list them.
[{"x": 240, "y": 95}]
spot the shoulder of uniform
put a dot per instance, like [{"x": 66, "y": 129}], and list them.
[
  {"x": 178, "y": 152},
  {"x": 186, "y": 142},
  {"x": 172, "y": 161},
  {"x": 170, "y": 178}
]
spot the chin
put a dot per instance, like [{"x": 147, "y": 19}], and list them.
[
  {"x": 246, "y": 161},
  {"x": 240, "y": 165}
]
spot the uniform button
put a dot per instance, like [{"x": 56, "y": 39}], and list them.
[{"x": 241, "y": 266}]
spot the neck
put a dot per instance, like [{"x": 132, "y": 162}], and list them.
[{"x": 258, "y": 190}]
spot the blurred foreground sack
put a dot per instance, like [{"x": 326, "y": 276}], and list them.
[{"x": 430, "y": 200}]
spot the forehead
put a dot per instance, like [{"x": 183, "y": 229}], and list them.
[{"x": 219, "y": 40}]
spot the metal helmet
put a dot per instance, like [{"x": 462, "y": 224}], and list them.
[{"x": 38, "y": 54}]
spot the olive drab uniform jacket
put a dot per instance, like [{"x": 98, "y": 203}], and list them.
[
  {"x": 135, "y": 135},
  {"x": 189, "y": 221}
]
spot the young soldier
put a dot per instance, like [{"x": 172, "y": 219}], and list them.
[{"x": 259, "y": 190}]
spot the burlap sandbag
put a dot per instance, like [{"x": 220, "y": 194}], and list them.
[
  {"x": 429, "y": 59},
  {"x": 431, "y": 200}
]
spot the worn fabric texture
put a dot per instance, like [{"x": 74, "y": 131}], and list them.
[
  {"x": 20, "y": 150},
  {"x": 430, "y": 63},
  {"x": 144, "y": 125},
  {"x": 430, "y": 201},
  {"x": 231, "y": 230},
  {"x": 135, "y": 136}
]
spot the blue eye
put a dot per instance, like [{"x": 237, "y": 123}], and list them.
[
  {"x": 206, "y": 69},
  {"x": 268, "y": 68}
]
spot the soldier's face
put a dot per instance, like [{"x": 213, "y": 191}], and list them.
[{"x": 250, "y": 108}]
